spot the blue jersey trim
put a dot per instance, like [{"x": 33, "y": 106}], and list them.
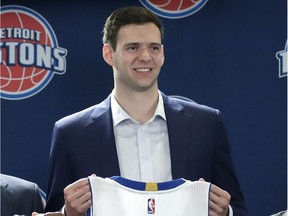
[{"x": 141, "y": 185}]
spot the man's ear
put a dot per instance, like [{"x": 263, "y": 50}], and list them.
[
  {"x": 163, "y": 55},
  {"x": 107, "y": 53}
]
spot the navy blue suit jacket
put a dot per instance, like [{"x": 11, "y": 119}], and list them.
[{"x": 83, "y": 143}]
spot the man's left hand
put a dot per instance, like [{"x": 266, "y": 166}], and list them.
[{"x": 219, "y": 201}]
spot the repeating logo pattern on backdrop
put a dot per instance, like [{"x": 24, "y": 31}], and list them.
[
  {"x": 30, "y": 54},
  {"x": 282, "y": 57},
  {"x": 174, "y": 9}
]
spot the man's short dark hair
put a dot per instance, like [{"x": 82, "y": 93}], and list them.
[{"x": 125, "y": 16}]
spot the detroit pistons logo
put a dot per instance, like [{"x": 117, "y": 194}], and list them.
[
  {"x": 174, "y": 9},
  {"x": 30, "y": 54}
]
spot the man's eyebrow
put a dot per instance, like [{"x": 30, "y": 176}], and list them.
[
  {"x": 138, "y": 44},
  {"x": 131, "y": 44},
  {"x": 156, "y": 44}
]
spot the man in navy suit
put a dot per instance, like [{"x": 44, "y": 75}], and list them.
[
  {"x": 19, "y": 196},
  {"x": 138, "y": 132}
]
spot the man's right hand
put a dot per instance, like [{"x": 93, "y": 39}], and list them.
[{"x": 77, "y": 198}]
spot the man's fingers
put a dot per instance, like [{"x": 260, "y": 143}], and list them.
[
  {"x": 80, "y": 206},
  {"x": 220, "y": 193},
  {"x": 76, "y": 185},
  {"x": 219, "y": 201},
  {"x": 79, "y": 196},
  {"x": 215, "y": 208}
]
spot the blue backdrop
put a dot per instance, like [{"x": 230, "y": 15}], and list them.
[{"x": 223, "y": 56}]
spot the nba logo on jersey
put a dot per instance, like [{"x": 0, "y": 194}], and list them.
[{"x": 151, "y": 206}]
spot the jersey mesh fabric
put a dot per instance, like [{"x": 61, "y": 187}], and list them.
[{"x": 119, "y": 196}]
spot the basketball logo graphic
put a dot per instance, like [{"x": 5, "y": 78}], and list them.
[
  {"x": 151, "y": 206},
  {"x": 174, "y": 9},
  {"x": 30, "y": 54}
]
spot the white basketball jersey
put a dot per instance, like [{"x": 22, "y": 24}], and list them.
[{"x": 117, "y": 196}]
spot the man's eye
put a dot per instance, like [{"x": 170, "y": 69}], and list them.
[
  {"x": 155, "y": 48},
  {"x": 133, "y": 48}
]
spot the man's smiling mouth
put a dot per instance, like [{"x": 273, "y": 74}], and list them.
[{"x": 143, "y": 69}]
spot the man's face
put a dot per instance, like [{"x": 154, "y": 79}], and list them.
[{"x": 138, "y": 57}]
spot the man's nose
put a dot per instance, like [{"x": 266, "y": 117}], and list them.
[{"x": 145, "y": 54}]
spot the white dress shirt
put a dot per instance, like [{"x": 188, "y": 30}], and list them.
[{"x": 143, "y": 149}]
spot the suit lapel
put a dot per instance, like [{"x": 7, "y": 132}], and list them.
[
  {"x": 178, "y": 134},
  {"x": 101, "y": 133}
]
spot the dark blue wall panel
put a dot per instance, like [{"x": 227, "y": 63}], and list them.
[{"x": 223, "y": 56}]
